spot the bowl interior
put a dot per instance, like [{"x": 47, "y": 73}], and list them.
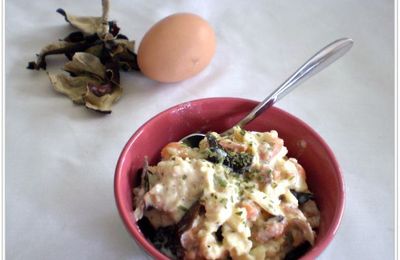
[{"x": 218, "y": 114}]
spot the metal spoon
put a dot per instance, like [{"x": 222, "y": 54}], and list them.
[{"x": 315, "y": 64}]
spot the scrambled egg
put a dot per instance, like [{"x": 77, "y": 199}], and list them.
[{"x": 248, "y": 189}]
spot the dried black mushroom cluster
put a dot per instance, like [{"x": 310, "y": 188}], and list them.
[{"x": 96, "y": 53}]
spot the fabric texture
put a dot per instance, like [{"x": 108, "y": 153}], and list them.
[{"x": 60, "y": 157}]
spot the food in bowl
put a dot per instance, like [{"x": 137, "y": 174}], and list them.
[{"x": 235, "y": 196}]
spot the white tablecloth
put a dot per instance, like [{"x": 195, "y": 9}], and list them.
[{"x": 60, "y": 158}]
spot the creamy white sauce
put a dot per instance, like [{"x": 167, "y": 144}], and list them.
[{"x": 180, "y": 182}]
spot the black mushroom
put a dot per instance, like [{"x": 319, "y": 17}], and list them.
[
  {"x": 302, "y": 197},
  {"x": 216, "y": 153},
  {"x": 237, "y": 161},
  {"x": 170, "y": 237},
  {"x": 298, "y": 251}
]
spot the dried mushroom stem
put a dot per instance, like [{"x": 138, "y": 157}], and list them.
[{"x": 106, "y": 7}]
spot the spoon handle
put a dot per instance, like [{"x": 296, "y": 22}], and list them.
[{"x": 315, "y": 64}]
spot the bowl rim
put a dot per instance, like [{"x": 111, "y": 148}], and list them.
[{"x": 138, "y": 236}]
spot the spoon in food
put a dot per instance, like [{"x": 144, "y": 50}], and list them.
[{"x": 315, "y": 64}]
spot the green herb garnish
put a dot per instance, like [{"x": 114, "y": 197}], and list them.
[{"x": 220, "y": 181}]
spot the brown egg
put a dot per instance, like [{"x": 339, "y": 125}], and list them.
[{"x": 176, "y": 48}]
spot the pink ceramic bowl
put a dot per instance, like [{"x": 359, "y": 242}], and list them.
[{"x": 218, "y": 114}]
